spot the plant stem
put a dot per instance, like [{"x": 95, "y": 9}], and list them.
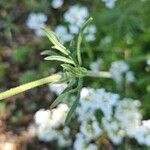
[
  {"x": 78, "y": 49},
  {"x": 101, "y": 74},
  {"x": 28, "y": 86},
  {"x": 52, "y": 78}
]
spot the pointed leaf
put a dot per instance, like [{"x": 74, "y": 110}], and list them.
[
  {"x": 49, "y": 52},
  {"x": 75, "y": 103},
  {"x": 72, "y": 109},
  {"x": 60, "y": 58},
  {"x": 62, "y": 96},
  {"x": 52, "y": 37}
]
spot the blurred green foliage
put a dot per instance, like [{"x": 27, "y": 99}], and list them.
[{"x": 122, "y": 33}]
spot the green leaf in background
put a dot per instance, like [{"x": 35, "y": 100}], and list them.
[{"x": 49, "y": 52}]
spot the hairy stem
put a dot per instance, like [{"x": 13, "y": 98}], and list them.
[
  {"x": 101, "y": 74},
  {"x": 28, "y": 86}
]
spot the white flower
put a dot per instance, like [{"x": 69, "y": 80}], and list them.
[
  {"x": 143, "y": 134},
  {"x": 90, "y": 33},
  {"x": 63, "y": 139},
  {"x": 36, "y": 21},
  {"x": 106, "y": 101},
  {"x": 148, "y": 61},
  {"x": 76, "y": 15},
  {"x": 82, "y": 144},
  {"x": 146, "y": 123},
  {"x": 109, "y": 3},
  {"x": 57, "y": 3},
  {"x": 57, "y": 87},
  {"x": 130, "y": 77},
  {"x": 113, "y": 130},
  {"x": 73, "y": 29},
  {"x": 45, "y": 133},
  {"x": 96, "y": 65},
  {"x": 42, "y": 117},
  {"x": 90, "y": 129},
  {"x": 84, "y": 113},
  {"x": 117, "y": 69},
  {"x": 58, "y": 115},
  {"x": 49, "y": 123},
  {"x": 87, "y": 99},
  {"x": 128, "y": 115},
  {"x": 62, "y": 34}
]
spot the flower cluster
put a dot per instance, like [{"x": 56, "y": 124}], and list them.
[
  {"x": 63, "y": 34},
  {"x": 57, "y": 88},
  {"x": 57, "y": 3},
  {"x": 109, "y": 3},
  {"x": 117, "y": 119},
  {"x": 75, "y": 16},
  {"x": 148, "y": 61},
  {"x": 96, "y": 65},
  {"x": 36, "y": 21},
  {"x": 143, "y": 133},
  {"x": 120, "y": 68},
  {"x": 49, "y": 125}
]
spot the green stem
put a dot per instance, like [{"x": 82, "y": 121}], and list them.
[
  {"x": 28, "y": 86},
  {"x": 78, "y": 49},
  {"x": 52, "y": 78},
  {"x": 101, "y": 74}
]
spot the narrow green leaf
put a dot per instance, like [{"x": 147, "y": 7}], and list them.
[
  {"x": 57, "y": 45},
  {"x": 79, "y": 40},
  {"x": 86, "y": 24},
  {"x": 62, "y": 96},
  {"x": 72, "y": 109},
  {"x": 60, "y": 58},
  {"x": 75, "y": 103},
  {"x": 49, "y": 52},
  {"x": 68, "y": 68}
]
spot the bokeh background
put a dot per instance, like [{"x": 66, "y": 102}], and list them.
[{"x": 120, "y": 31}]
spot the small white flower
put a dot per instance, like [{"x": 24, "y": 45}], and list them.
[
  {"x": 130, "y": 77},
  {"x": 45, "y": 133},
  {"x": 42, "y": 117},
  {"x": 57, "y": 87},
  {"x": 90, "y": 33},
  {"x": 36, "y": 21},
  {"x": 117, "y": 69},
  {"x": 90, "y": 129},
  {"x": 143, "y": 134},
  {"x": 146, "y": 123},
  {"x": 128, "y": 115},
  {"x": 49, "y": 123},
  {"x": 148, "y": 61},
  {"x": 109, "y": 3},
  {"x": 62, "y": 34},
  {"x": 96, "y": 65},
  {"x": 82, "y": 144},
  {"x": 76, "y": 15},
  {"x": 84, "y": 113},
  {"x": 63, "y": 141},
  {"x": 57, "y": 3},
  {"x": 113, "y": 130},
  {"x": 58, "y": 115}
]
